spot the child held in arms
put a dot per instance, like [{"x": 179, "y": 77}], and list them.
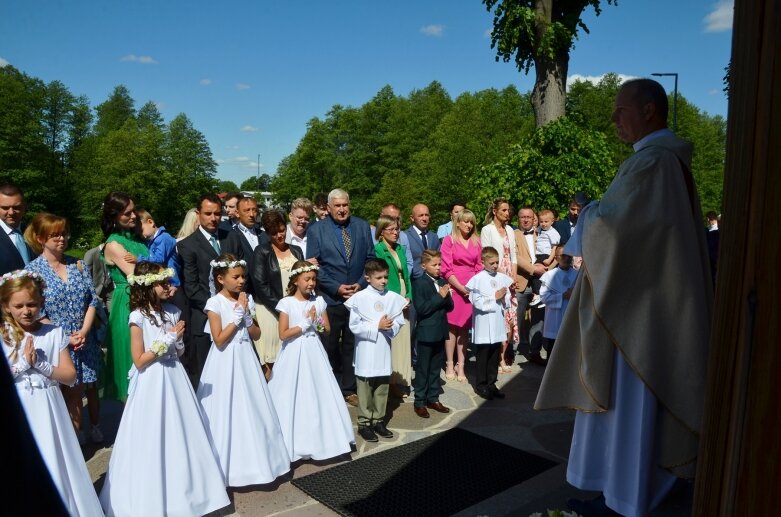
[{"x": 161, "y": 244}]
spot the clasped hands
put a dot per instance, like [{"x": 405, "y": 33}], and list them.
[{"x": 241, "y": 313}]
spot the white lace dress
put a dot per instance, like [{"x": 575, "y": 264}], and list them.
[
  {"x": 162, "y": 462},
  {"x": 240, "y": 415},
  {"x": 51, "y": 425}
]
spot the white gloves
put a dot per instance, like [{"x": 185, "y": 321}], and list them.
[
  {"x": 238, "y": 315},
  {"x": 248, "y": 319},
  {"x": 44, "y": 367}
]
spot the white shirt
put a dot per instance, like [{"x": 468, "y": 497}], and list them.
[
  {"x": 292, "y": 238},
  {"x": 250, "y": 234},
  {"x": 546, "y": 240}
]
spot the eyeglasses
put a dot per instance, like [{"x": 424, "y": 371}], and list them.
[
  {"x": 65, "y": 236},
  {"x": 391, "y": 230}
]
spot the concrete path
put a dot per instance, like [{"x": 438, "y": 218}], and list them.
[{"x": 511, "y": 421}]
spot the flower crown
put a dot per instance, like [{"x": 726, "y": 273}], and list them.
[
  {"x": 150, "y": 278},
  {"x": 303, "y": 269},
  {"x": 23, "y": 273},
  {"x": 230, "y": 264}
]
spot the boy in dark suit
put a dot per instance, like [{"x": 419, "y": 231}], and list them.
[{"x": 432, "y": 302}]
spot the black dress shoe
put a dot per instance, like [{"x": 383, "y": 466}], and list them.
[
  {"x": 381, "y": 430},
  {"x": 593, "y": 508},
  {"x": 422, "y": 412},
  {"x": 367, "y": 434},
  {"x": 438, "y": 406},
  {"x": 484, "y": 393},
  {"x": 496, "y": 393},
  {"x": 537, "y": 359}
]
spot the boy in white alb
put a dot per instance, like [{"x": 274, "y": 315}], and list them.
[
  {"x": 375, "y": 318},
  {"x": 489, "y": 295},
  {"x": 557, "y": 285}
]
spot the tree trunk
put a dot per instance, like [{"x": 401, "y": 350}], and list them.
[{"x": 549, "y": 91}]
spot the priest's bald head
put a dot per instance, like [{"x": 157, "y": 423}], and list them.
[{"x": 640, "y": 109}]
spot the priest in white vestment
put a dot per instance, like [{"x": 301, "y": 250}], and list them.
[{"x": 631, "y": 354}]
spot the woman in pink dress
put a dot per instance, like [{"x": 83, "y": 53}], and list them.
[{"x": 460, "y": 262}]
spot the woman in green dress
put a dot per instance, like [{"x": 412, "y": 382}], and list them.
[
  {"x": 389, "y": 250},
  {"x": 118, "y": 225}
]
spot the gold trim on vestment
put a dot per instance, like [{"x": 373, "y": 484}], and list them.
[{"x": 626, "y": 359}]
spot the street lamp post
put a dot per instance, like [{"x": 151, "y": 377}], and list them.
[{"x": 675, "y": 97}]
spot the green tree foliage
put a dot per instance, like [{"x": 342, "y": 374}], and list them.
[
  {"x": 256, "y": 184},
  {"x": 591, "y": 106},
  {"x": 404, "y": 150},
  {"x": 556, "y": 161},
  {"x": 540, "y": 33},
  {"x": 65, "y": 165},
  {"x": 227, "y": 186}
]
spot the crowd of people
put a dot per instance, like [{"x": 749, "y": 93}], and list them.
[{"x": 237, "y": 345}]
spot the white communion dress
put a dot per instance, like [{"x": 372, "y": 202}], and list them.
[
  {"x": 162, "y": 462},
  {"x": 310, "y": 405},
  {"x": 240, "y": 415},
  {"x": 51, "y": 425}
]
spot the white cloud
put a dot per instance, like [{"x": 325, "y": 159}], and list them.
[
  {"x": 714, "y": 91},
  {"x": 239, "y": 161},
  {"x": 594, "y": 79},
  {"x": 720, "y": 18},
  {"x": 160, "y": 105},
  {"x": 487, "y": 33},
  {"x": 232, "y": 147},
  {"x": 3, "y": 62},
  {"x": 242, "y": 86},
  {"x": 145, "y": 60},
  {"x": 205, "y": 82},
  {"x": 435, "y": 30},
  {"x": 249, "y": 129}
]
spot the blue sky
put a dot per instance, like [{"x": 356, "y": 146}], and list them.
[{"x": 250, "y": 74}]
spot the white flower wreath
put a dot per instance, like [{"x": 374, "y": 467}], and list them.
[
  {"x": 22, "y": 273},
  {"x": 303, "y": 269},
  {"x": 150, "y": 278},
  {"x": 227, "y": 263}
]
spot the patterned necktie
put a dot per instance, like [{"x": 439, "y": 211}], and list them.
[
  {"x": 20, "y": 245},
  {"x": 215, "y": 244},
  {"x": 348, "y": 245}
]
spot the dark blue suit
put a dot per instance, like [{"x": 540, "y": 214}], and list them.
[
  {"x": 325, "y": 244},
  {"x": 564, "y": 228},
  {"x": 10, "y": 259}
]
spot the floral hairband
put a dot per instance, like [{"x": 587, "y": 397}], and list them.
[
  {"x": 303, "y": 269},
  {"x": 150, "y": 278},
  {"x": 23, "y": 273},
  {"x": 230, "y": 264}
]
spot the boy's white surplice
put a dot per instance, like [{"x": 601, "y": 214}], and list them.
[
  {"x": 487, "y": 312},
  {"x": 372, "y": 346}
]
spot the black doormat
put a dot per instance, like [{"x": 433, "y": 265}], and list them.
[{"x": 439, "y": 475}]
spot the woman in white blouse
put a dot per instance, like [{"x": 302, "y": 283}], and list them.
[{"x": 498, "y": 234}]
